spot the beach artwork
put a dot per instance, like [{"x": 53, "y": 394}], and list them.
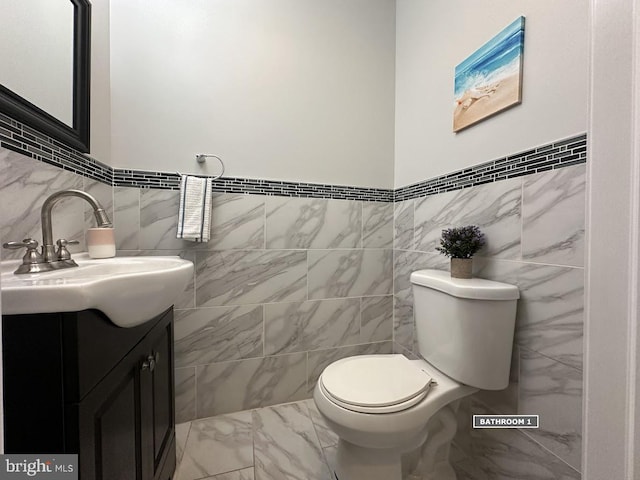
[{"x": 490, "y": 80}]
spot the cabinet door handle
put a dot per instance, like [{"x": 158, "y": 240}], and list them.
[{"x": 149, "y": 364}]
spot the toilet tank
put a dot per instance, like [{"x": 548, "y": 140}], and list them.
[{"x": 464, "y": 327}]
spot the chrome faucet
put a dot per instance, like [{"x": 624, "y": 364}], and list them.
[
  {"x": 50, "y": 259},
  {"x": 48, "y": 249}
]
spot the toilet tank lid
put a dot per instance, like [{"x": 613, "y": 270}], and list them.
[{"x": 475, "y": 288}]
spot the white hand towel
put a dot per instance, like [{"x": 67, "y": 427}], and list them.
[{"x": 194, "y": 215}]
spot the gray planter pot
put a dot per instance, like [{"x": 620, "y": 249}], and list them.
[{"x": 461, "y": 267}]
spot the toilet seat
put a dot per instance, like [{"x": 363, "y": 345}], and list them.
[{"x": 375, "y": 383}]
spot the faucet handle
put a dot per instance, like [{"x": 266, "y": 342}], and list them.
[
  {"x": 63, "y": 253},
  {"x": 30, "y": 243},
  {"x": 32, "y": 261}
]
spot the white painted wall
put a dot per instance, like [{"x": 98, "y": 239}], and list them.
[
  {"x": 435, "y": 36},
  {"x": 100, "y": 141},
  {"x": 299, "y": 90}
]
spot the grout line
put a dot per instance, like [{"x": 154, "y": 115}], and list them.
[
  {"x": 546, "y": 449},
  {"x": 195, "y": 391},
  {"x": 360, "y": 322},
  {"x": 306, "y": 352},
  {"x": 307, "y": 372},
  {"x": 552, "y": 359}
]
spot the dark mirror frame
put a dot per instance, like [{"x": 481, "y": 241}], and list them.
[{"x": 26, "y": 112}]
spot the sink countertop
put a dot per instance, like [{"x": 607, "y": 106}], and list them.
[{"x": 129, "y": 290}]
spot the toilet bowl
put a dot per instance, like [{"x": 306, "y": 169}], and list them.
[
  {"x": 382, "y": 406},
  {"x": 381, "y": 429}
]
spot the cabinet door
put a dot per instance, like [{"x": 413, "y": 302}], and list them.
[
  {"x": 109, "y": 425},
  {"x": 158, "y": 401}
]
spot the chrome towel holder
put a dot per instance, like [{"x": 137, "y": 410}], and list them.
[{"x": 202, "y": 158}]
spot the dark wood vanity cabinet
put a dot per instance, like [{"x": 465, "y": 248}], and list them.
[{"x": 76, "y": 383}]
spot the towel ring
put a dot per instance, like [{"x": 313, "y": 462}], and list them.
[{"x": 202, "y": 158}]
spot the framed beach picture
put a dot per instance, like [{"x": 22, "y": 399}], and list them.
[{"x": 490, "y": 79}]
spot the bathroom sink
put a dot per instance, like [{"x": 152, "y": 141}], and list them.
[{"x": 129, "y": 290}]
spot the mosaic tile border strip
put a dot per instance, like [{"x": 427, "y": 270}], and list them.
[
  {"x": 171, "y": 181},
  {"x": 563, "y": 153},
  {"x": 27, "y": 141}
]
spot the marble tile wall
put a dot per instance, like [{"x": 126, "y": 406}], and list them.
[
  {"x": 284, "y": 285},
  {"x": 25, "y": 183},
  {"x": 288, "y": 285},
  {"x": 535, "y": 239}
]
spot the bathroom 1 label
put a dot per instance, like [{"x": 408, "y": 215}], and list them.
[
  {"x": 16, "y": 466},
  {"x": 506, "y": 421}
]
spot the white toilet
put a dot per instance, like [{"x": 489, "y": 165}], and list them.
[{"x": 382, "y": 406}]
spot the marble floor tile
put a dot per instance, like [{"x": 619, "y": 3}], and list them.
[
  {"x": 468, "y": 470},
  {"x": 281, "y": 442},
  {"x": 326, "y": 437},
  {"x": 286, "y": 445},
  {"x": 244, "y": 474},
  {"x": 456, "y": 454},
  {"x": 182, "y": 433},
  {"x": 289, "y": 442},
  {"x": 330, "y": 454},
  {"x": 217, "y": 445}
]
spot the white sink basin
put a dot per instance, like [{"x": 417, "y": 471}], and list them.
[{"x": 129, "y": 290}]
